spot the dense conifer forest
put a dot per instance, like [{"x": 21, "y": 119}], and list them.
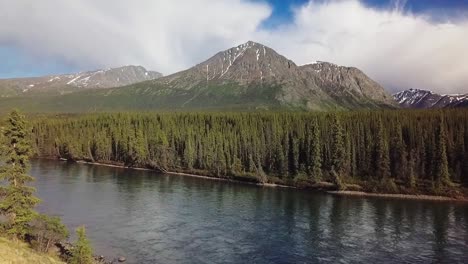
[{"x": 378, "y": 151}]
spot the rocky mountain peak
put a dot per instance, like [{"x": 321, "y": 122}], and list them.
[
  {"x": 417, "y": 98},
  {"x": 342, "y": 82},
  {"x": 255, "y": 67},
  {"x": 245, "y": 63}
]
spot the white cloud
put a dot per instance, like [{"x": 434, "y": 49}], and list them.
[
  {"x": 399, "y": 49},
  {"x": 396, "y": 48},
  {"x": 164, "y": 35}
]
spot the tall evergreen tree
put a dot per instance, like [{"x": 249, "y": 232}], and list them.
[
  {"x": 337, "y": 152},
  {"x": 19, "y": 201},
  {"x": 382, "y": 159},
  {"x": 441, "y": 172},
  {"x": 315, "y": 155}
]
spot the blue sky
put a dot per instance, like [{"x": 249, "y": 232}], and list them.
[
  {"x": 91, "y": 34},
  {"x": 282, "y": 9}
]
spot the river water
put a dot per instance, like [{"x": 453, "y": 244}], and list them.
[{"x": 155, "y": 218}]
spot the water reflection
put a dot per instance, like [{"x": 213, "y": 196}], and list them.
[{"x": 154, "y": 218}]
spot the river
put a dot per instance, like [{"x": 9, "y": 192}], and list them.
[{"x": 150, "y": 217}]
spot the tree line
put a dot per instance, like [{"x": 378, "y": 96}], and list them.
[{"x": 397, "y": 151}]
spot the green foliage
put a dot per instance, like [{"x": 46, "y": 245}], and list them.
[
  {"x": 315, "y": 154},
  {"x": 380, "y": 150},
  {"x": 382, "y": 159},
  {"x": 82, "y": 252},
  {"x": 47, "y": 231},
  {"x": 338, "y": 151},
  {"x": 18, "y": 201},
  {"x": 441, "y": 172}
]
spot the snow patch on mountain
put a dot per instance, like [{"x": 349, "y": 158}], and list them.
[{"x": 417, "y": 98}]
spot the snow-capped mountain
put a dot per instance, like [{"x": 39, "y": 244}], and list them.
[
  {"x": 106, "y": 78},
  {"x": 420, "y": 99},
  {"x": 257, "y": 70}
]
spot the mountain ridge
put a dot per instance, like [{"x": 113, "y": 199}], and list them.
[
  {"x": 422, "y": 99},
  {"x": 67, "y": 83}
]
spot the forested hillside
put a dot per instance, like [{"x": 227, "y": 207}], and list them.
[{"x": 381, "y": 151}]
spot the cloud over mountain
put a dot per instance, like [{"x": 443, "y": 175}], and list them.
[{"x": 397, "y": 48}]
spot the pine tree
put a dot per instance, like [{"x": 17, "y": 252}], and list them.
[
  {"x": 316, "y": 157},
  {"x": 19, "y": 201},
  {"x": 411, "y": 177},
  {"x": 337, "y": 152},
  {"x": 398, "y": 155},
  {"x": 82, "y": 252},
  {"x": 189, "y": 153},
  {"x": 441, "y": 172},
  {"x": 382, "y": 159},
  {"x": 337, "y": 146}
]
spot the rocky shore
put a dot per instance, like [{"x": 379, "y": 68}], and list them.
[{"x": 65, "y": 250}]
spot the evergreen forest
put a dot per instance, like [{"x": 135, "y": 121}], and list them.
[{"x": 404, "y": 151}]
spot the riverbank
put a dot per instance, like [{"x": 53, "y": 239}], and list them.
[
  {"x": 322, "y": 186},
  {"x": 399, "y": 196},
  {"x": 20, "y": 252},
  {"x": 185, "y": 174}
]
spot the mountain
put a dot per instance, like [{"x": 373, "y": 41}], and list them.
[
  {"x": 247, "y": 77},
  {"x": 420, "y": 99},
  {"x": 66, "y": 83},
  {"x": 348, "y": 85},
  {"x": 253, "y": 76}
]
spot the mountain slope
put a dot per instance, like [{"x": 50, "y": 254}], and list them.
[
  {"x": 253, "y": 76},
  {"x": 348, "y": 86},
  {"x": 421, "y": 99},
  {"x": 66, "y": 83},
  {"x": 247, "y": 77}
]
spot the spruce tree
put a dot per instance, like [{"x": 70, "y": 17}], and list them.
[
  {"x": 382, "y": 159},
  {"x": 19, "y": 201},
  {"x": 337, "y": 152},
  {"x": 441, "y": 172},
  {"x": 82, "y": 252},
  {"x": 411, "y": 177},
  {"x": 189, "y": 153},
  {"x": 315, "y": 155},
  {"x": 398, "y": 155}
]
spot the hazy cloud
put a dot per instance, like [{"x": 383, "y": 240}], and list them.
[{"x": 399, "y": 49}]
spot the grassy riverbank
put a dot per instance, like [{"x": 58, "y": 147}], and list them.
[{"x": 19, "y": 253}]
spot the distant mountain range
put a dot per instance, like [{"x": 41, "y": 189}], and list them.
[
  {"x": 249, "y": 76},
  {"x": 67, "y": 83},
  {"x": 421, "y": 99}
]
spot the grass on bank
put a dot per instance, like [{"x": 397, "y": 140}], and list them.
[{"x": 12, "y": 252}]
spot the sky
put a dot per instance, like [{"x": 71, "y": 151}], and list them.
[{"x": 399, "y": 43}]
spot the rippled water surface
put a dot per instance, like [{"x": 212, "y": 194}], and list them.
[{"x": 155, "y": 218}]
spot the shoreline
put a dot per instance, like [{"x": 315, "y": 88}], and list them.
[
  {"x": 420, "y": 197},
  {"x": 186, "y": 174}
]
